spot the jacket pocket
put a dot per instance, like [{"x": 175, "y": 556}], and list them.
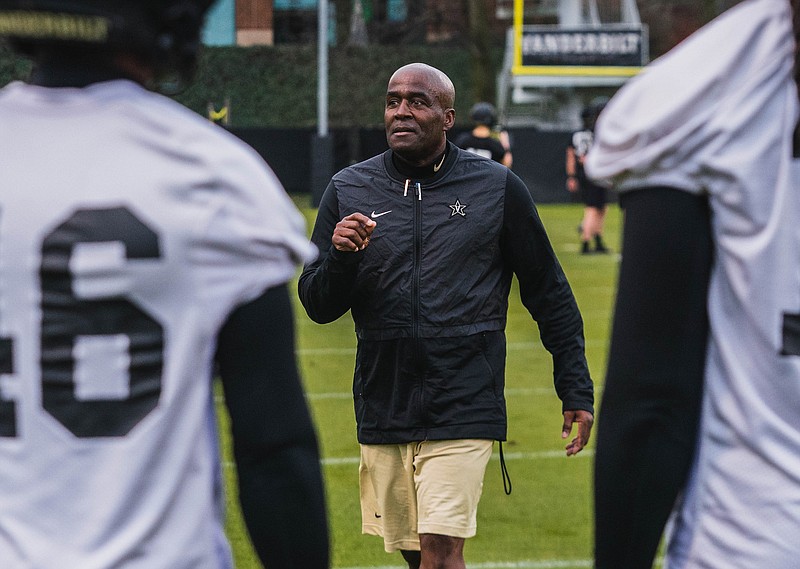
[
  {"x": 464, "y": 383},
  {"x": 386, "y": 386}
]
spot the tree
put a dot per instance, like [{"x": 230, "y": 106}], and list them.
[
  {"x": 479, "y": 43},
  {"x": 670, "y": 21}
]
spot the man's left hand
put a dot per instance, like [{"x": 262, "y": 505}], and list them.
[{"x": 585, "y": 421}]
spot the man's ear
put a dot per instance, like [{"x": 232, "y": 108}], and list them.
[{"x": 449, "y": 119}]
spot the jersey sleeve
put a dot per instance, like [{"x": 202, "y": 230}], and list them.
[
  {"x": 654, "y": 382},
  {"x": 254, "y": 237},
  {"x": 498, "y": 150},
  {"x": 274, "y": 443},
  {"x": 676, "y": 123}
]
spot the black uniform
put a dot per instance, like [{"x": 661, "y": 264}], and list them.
[
  {"x": 429, "y": 296},
  {"x": 592, "y": 194},
  {"x": 486, "y": 146}
]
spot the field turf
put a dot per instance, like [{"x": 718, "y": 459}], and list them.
[{"x": 546, "y": 521}]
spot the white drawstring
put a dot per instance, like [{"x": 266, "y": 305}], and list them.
[{"x": 418, "y": 187}]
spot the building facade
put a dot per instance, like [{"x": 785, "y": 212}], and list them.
[{"x": 271, "y": 22}]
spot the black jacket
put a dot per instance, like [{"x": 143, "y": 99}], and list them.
[{"x": 429, "y": 296}]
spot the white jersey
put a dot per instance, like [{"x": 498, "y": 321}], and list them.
[
  {"x": 582, "y": 141},
  {"x": 715, "y": 116},
  {"x": 130, "y": 228}
]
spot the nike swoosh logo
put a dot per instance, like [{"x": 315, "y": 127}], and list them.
[
  {"x": 378, "y": 516},
  {"x": 374, "y": 215}
]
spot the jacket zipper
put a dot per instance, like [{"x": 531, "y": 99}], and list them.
[
  {"x": 415, "y": 288},
  {"x": 415, "y": 285}
]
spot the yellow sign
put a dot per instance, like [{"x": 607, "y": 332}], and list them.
[{"x": 610, "y": 50}]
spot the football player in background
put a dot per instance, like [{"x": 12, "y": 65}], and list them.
[
  {"x": 140, "y": 245},
  {"x": 482, "y": 139},
  {"x": 594, "y": 196},
  {"x": 702, "y": 398}
]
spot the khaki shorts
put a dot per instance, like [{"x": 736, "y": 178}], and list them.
[{"x": 422, "y": 487}]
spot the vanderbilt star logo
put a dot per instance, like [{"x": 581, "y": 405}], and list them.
[{"x": 458, "y": 209}]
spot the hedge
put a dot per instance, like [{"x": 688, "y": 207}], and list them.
[{"x": 276, "y": 86}]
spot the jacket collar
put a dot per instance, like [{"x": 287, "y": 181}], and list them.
[{"x": 450, "y": 159}]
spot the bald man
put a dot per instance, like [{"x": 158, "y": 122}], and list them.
[{"x": 420, "y": 244}]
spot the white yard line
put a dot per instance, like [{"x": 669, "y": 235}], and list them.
[
  {"x": 511, "y": 391},
  {"x": 351, "y": 351},
  {"x": 347, "y": 395},
  {"x": 527, "y": 564},
  {"x": 540, "y": 455}
]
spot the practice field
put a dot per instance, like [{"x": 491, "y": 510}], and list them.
[{"x": 546, "y": 521}]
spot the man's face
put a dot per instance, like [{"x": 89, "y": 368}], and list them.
[{"x": 414, "y": 118}]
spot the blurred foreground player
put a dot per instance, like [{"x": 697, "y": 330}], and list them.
[
  {"x": 701, "y": 149},
  {"x": 139, "y": 244}
]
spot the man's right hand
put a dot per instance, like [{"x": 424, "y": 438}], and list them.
[{"x": 352, "y": 232}]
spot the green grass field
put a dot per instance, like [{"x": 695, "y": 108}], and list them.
[{"x": 546, "y": 521}]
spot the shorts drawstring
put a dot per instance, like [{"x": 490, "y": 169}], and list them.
[{"x": 504, "y": 471}]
